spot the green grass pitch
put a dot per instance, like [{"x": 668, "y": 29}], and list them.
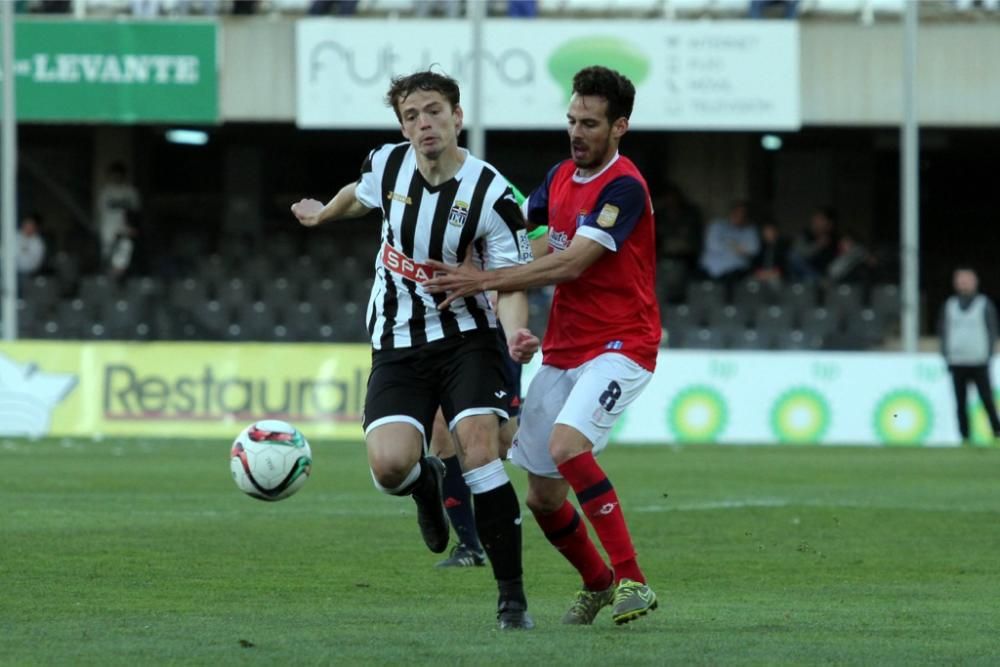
[{"x": 144, "y": 552}]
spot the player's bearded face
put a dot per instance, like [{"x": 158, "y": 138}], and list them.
[
  {"x": 430, "y": 122},
  {"x": 590, "y": 136}
]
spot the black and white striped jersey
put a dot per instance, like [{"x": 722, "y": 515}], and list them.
[{"x": 473, "y": 212}]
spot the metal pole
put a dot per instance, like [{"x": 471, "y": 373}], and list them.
[
  {"x": 8, "y": 172},
  {"x": 909, "y": 159},
  {"x": 477, "y": 135}
]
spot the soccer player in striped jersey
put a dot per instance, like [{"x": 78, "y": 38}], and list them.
[
  {"x": 600, "y": 346},
  {"x": 438, "y": 202}
]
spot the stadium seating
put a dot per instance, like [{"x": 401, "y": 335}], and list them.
[
  {"x": 774, "y": 318},
  {"x": 704, "y": 339},
  {"x": 796, "y": 339},
  {"x": 819, "y": 322},
  {"x": 269, "y": 291},
  {"x": 72, "y": 317},
  {"x": 843, "y": 300},
  {"x": 798, "y": 297},
  {"x": 752, "y": 339},
  {"x": 42, "y": 292}
]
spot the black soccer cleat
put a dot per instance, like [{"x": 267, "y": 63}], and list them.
[
  {"x": 513, "y": 615},
  {"x": 463, "y": 556},
  {"x": 431, "y": 515}
]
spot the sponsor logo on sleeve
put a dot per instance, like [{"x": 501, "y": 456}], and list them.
[
  {"x": 558, "y": 240},
  {"x": 524, "y": 247},
  {"x": 608, "y": 216}
]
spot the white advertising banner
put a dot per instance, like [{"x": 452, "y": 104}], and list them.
[
  {"x": 800, "y": 398},
  {"x": 719, "y": 75}
]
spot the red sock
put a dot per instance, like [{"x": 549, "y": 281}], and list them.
[
  {"x": 568, "y": 534},
  {"x": 600, "y": 505}
]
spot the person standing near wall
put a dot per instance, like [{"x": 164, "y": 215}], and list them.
[{"x": 968, "y": 331}]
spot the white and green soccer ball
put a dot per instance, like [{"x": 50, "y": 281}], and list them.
[{"x": 270, "y": 460}]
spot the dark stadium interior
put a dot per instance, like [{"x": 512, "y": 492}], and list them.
[{"x": 216, "y": 216}]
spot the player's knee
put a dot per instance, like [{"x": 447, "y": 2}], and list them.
[
  {"x": 562, "y": 452},
  {"x": 389, "y": 474},
  {"x": 541, "y": 503},
  {"x": 479, "y": 439}
]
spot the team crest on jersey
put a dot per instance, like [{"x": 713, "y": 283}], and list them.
[
  {"x": 608, "y": 216},
  {"x": 459, "y": 212},
  {"x": 395, "y": 196}
]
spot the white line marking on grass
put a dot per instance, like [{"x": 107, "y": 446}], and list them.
[
  {"x": 716, "y": 505},
  {"x": 747, "y": 503}
]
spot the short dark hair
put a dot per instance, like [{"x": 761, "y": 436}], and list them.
[
  {"x": 402, "y": 87},
  {"x": 609, "y": 84}
]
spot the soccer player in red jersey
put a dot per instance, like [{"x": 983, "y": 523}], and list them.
[{"x": 600, "y": 347}]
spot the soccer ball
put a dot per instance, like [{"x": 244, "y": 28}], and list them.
[{"x": 270, "y": 460}]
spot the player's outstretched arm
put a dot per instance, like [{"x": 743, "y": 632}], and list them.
[
  {"x": 345, "y": 204},
  {"x": 559, "y": 267}
]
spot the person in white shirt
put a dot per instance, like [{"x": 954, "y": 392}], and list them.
[
  {"x": 117, "y": 199},
  {"x": 968, "y": 331},
  {"x": 730, "y": 245},
  {"x": 30, "y": 246}
]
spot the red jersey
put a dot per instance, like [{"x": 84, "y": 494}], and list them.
[{"x": 612, "y": 306}]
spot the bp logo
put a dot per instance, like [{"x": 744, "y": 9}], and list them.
[
  {"x": 607, "y": 50},
  {"x": 903, "y": 417},
  {"x": 800, "y": 415},
  {"x": 979, "y": 425},
  {"x": 698, "y": 414}
]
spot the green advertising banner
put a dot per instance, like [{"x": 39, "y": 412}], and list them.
[{"x": 122, "y": 72}]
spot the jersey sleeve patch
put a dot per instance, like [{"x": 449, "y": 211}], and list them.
[
  {"x": 618, "y": 209},
  {"x": 608, "y": 216}
]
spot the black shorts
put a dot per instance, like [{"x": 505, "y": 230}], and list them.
[
  {"x": 511, "y": 374},
  {"x": 464, "y": 375}
]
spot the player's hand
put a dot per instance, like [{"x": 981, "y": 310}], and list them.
[
  {"x": 458, "y": 281},
  {"x": 307, "y": 211},
  {"x": 522, "y": 345}
]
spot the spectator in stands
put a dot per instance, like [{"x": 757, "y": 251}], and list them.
[
  {"x": 679, "y": 227},
  {"x": 337, "y": 7},
  {"x": 116, "y": 201},
  {"x": 816, "y": 247},
  {"x": 55, "y": 6},
  {"x": 248, "y": 7},
  {"x": 206, "y": 7},
  {"x": 448, "y": 8},
  {"x": 30, "y": 246},
  {"x": 145, "y": 9},
  {"x": 524, "y": 9},
  {"x": 968, "y": 330},
  {"x": 771, "y": 262},
  {"x": 121, "y": 261},
  {"x": 854, "y": 263},
  {"x": 759, "y": 8},
  {"x": 730, "y": 245}
]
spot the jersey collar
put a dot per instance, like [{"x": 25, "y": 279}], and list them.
[{"x": 587, "y": 179}]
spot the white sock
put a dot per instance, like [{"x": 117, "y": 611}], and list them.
[{"x": 486, "y": 478}]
